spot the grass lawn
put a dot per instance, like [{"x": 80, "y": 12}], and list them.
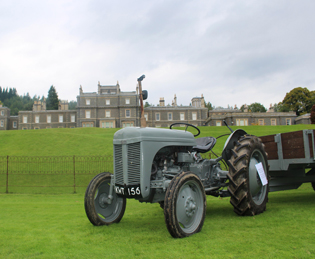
[
  {"x": 55, "y": 226},
  {"x": 97, "y": 141}
]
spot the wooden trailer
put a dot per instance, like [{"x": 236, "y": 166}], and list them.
[{"x": 291, "y": 159}]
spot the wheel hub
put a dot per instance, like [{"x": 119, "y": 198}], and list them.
[
  {"x": 190, "y": 206},
  {"x": 102, "y": 200}
]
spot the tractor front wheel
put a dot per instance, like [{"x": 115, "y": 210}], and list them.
[
  {"x": 248, "y": 195},
  {"x": 99, "y": 207},
  {"x": 185, "y": 205}
]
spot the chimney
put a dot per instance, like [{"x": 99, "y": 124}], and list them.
[
  {"x": 174, "y": 103},
  {"x": 162, "y": 102}
]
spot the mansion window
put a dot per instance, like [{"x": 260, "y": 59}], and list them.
[
  {"x": 72, "y": 118},
  {"x": 60, "y": 118},
  {"x": 127, "y": 100},
  {"x": 87, "y": 102},
  {"x": 37, "y": 119},
  {"x": 146, "y": 116},
  {"x": 273, "y": 122},
  {"x": 24, "y": 119},
  {"x": 14, "y": 124},
  {"x": 261, "y": 122},
  {"x": 127, "y": 113},
  {"x": 1, "y": 123},
  {"x": 157, "y": 116},
  {"x": 182, "y": 116},
  {"x": 107, "y": 114},
  {"x": 288, "y": 121},
  {"x": 194, "y": 116},
  {"x": 218, "y": 123},
  {"x": 107, "y": 124},
  {"x": 87, "y": 114},
  {"x": 107, "y": 101},
  {"x": 87, "y": 124},
  {"x": 127, "y": 124},
  {"x": 170, "y": 116},
  {"x": 2, "y": 113},
  {"x": 241, "y": 122},
  {"x": 48, "y": 118}
]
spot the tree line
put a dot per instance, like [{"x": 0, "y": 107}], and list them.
[
  {"x": 10, "y": 98},
  {"x": 300, "y": 100}
]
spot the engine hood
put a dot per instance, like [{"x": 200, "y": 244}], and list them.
[{"x": 137, "y": 134}]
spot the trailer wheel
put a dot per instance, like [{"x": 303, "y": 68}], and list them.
[
  {"x": 248, "y": 195},
  {"x": 98, "y": 208},
  {"x": 185, "y": 205}
]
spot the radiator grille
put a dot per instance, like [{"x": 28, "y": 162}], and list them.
[
  {"x": 119, "y": 177},
  {"x": 133, "y": 164}
]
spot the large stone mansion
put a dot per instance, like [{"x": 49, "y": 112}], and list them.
[{"x": 110, "y": 107}]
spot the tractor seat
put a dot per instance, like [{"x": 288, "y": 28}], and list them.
[{"x": 204, "y": 144}]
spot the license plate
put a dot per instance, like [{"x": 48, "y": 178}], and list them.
[{"x": 128, "y": 191}]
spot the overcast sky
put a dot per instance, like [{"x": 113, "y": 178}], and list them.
[{"x": 232, "y": 52}]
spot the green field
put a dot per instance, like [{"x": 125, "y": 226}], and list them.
[
  {"x": 97, "y": 141},
  {"x": 55, "y": 226}
]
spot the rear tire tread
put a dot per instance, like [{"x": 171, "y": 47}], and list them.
[{"x": 238, "y": 176}]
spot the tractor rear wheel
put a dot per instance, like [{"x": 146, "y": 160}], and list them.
[
  {"x": 99, "y": 209},
  {"x": 248, "y": 195},
  {"x": 185, "y": 205}
]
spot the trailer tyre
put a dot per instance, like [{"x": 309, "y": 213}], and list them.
[
  {"x": 185, "y": 205},
  {"x": 99, "y": 209},
  {"x": 248, "y": 195}
]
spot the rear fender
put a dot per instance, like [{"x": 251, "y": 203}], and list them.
[{"x": 230, "y": 142}]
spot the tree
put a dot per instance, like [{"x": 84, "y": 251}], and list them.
[
  {"x": 209, "y": 106},
  {"x": 147, "y": 105},
  {"x": 299, "y": 100},
  {"x": 72, "y": 105},
  {"x": 243, "y": 108},
  {"x": 52, "y": 101},
  {"x": 280, "y": 107},
  {"x": 256, "y": 107}
]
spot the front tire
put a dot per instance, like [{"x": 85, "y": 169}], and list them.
[
  {"x": 185, "y": 205},
  {"x": 97, "y": 206},
  {"x": 248, "y": 195}
]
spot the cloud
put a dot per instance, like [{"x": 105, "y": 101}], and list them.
[{"x": 232, "y": 52}]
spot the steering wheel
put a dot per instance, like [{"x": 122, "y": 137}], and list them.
[{"x": 187, "y": 125}]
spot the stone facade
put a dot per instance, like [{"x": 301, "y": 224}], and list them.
[
  {"x": 164, "y": 116},
  {"x": 40, "y": 118},
  {"x": 303, "y": 119},
  {"x": 239, "y": 118},
  {"x": 5, "y": 121},
  {"x": 109, "y": 107}
]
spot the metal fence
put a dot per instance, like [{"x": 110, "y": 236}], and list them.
[{"x": 26, "y": 174}]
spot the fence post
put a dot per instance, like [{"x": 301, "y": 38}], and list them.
[
  {"x": 74, "y": 191},
  {"x": 7, "y": 183}
]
